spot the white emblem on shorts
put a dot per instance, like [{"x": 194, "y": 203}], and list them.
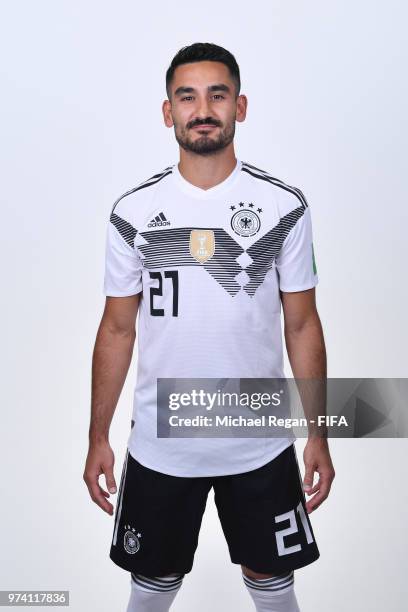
[{"x": 131, "y": 540}]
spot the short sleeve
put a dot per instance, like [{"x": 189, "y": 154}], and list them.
[
  {"x": 123, "y": 265},
  {"x": 295, "y": 263}
]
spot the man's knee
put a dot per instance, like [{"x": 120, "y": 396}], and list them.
[
  {"x": 271, "y": 592},
  {"x": 255, "y": 575},
  {"x": 158, "y": 584},
  {"x": 153, "y": 594}
]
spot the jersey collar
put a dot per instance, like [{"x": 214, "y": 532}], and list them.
[{"x": 198, "y": 192}]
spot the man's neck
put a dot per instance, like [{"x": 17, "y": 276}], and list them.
[{"x": 206, "y": 171}]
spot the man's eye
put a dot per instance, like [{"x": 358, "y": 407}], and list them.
[
  {"x": 186, "y": 98},
  {"x": 219, "y": 96}
]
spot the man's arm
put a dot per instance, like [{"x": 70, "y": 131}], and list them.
[
  {"x": 307, "y": 356},
  {"x": 110, "y": 364}
]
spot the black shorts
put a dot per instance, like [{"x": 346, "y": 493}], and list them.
[{"x": 262, "y": 514}]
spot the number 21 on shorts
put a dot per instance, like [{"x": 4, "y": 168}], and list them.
[{"x": 285, "y": 550}]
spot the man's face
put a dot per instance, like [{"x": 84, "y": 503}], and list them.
[{"x": 203, "y": 107}]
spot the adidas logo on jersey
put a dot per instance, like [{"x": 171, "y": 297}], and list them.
[{"x": 158, "y": 221}]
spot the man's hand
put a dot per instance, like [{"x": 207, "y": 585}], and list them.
[
  {"x": 316, "y": 457},
  {"x": 100, "y": 460}
]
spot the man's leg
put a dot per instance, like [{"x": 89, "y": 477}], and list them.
[
  {"x": 267, "y": 529},
  {"x": 271, "y": 593},
  {"x": 155, "y": 534},
  {"x": 153, "y": 594}
]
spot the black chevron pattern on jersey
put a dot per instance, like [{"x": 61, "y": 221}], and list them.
[
  {"x": 171, "y": 247},
  {"x": 265, "y": 250},
  {"x": 125, "y": 229},
  {"x": 223, "y": 265},
  {"x": 150, "y": 181},
  {"x": 265, "y": 176}
]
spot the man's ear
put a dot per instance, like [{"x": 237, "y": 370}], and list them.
[
  {"x": 167, "y": 116},
  {"x": 242, "y": 105}
]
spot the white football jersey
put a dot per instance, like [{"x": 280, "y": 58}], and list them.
[{"x": 210, "y": 264}]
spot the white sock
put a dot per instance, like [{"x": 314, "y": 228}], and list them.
[
  {"x": 153, "y": 594},
  {"x": 273, "y": 594}
]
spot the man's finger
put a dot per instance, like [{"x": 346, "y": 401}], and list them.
[
  {"x": 110, "y": 479},
  {"x": 97, "y": 494},
  {"x": 308, "y": 479},
  {"x": 315, "y": 502},
  {"x": 321, "y": 495},
  {"x": 315, "y": 488}
]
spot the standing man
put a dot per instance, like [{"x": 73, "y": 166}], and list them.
[{"x": 208, "y": 250}]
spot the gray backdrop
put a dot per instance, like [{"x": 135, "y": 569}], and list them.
[{"x": 82, "y": 85}]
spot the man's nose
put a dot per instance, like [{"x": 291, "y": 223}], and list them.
[{"x": 203, "y": 108}]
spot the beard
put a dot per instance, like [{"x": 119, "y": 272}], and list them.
[{"x": 205, "y": 144}]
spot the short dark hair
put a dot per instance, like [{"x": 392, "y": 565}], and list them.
[{"x": 201, "y": 52}]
